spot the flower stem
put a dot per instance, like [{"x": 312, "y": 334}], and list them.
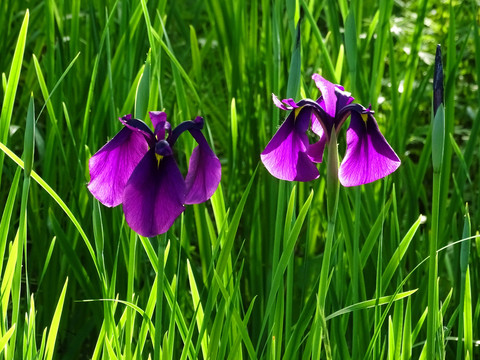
[
  {"x": 438, "y": 141},
  {"x": 162, "y": 243},
  {"x": 332, "y": 206}
]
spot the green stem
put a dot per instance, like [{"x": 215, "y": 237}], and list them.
[
  {"x": 332, "y": 206},
  {"x": 162, "y": 243},
  {"x": 432, "y": 271}
]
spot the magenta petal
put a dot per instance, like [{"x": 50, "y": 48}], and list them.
[
  {"x": 159, "y": 121},
  {"x": 369, "y": 157},
  {"x": 285, "y": 156},
  {"x": 113, "y": 164},
  {"x": 328, "y": 94},
  {"x": 154, "y": 195},
  {"x": 204, "y": 171},
  {"x": 315, "y": 151}
]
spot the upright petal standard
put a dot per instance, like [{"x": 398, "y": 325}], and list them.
[
  {"x": 137, "y": 169},
  {"x": 290, "y": 156}
]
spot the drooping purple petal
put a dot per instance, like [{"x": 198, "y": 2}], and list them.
[
  {"x": 204, "y": 171},
  {"x": 285, "y": 156},
  {"x": 154, "y": 195},
  {"x": 368, "y": 157},
  {"x": 113, "y": 164}
]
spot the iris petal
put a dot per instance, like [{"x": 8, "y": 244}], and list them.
[
  {"x": 285, "y": 104},
  {"x": 315, "y": 151},
  {"x": 369, "y": 157},
  {"x": 113, "y": 164},
  {"x": 204, "y": 171},
  {"x": 285, "y": 156},
  {"x": 154, "y": 195},
  {"x": 159, "y": 120},
  {"x": 328, "y": 94}
]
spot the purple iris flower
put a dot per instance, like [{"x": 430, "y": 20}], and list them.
[
  {"x": 137, "y": 169},
  {"x": 290, "y": 156}
]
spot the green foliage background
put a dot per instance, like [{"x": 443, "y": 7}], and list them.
[{"x": 241, "y": 271}]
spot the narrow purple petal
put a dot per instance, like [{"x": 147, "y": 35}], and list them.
[
  {"x": 154, "y": 195},
  {"x": 328, "y": 94},
  {"x": 285, "y": 156},
  {"x": 113, "y": 164},
  {"x": 285, "y": 104},
  {"x": 159, "y": 121},
  {"x": 291, "y": 104},
  {"x": 368, "y": 157},
  {"x": 204, "y": 171}
]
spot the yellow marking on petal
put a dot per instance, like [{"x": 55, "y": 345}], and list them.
[
  {"x": 159, "y": 158},
  {"x": 364, "y": 117},
  {"x": 297, "y": 111}
]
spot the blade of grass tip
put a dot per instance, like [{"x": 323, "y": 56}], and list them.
[
  {"x": 401, "y": 250},
  {"x": 196, "y": 58},
  {"x": 367, "y": 304},
  {"x": 12, "y": 85},
  {"x": 407, "y": 332},
  {"x": 464, "y": 255},
  {"x": 47, "y": 260},
  {"x": 143, "y": 91},
  {"x": 52, "y": 333},
  {"x": 398, "y": 327},
  {"x": 391, "y": 340},
  {"x": 199, "y": 317},
  {"x": 467, "y": 318},
  {"x": 339, "y": 64}
]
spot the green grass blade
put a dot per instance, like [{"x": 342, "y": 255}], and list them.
[{"x": 53, "y": 332}]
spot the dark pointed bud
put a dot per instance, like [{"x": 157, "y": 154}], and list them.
[{"x": 437, "y": 81}]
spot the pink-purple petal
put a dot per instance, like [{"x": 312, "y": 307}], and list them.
[
  {"x": 369, "y": 157},
  {"x": 328, "y": 94},
  {"x": 154, "y": 195},
  {"x": 204, "y": 171},
  {"x": 111, "y": 167},
  {"x": 285, "y": 156},
  {"x": 315, "y": 151},
  {"x": 159, "y": 120}
]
